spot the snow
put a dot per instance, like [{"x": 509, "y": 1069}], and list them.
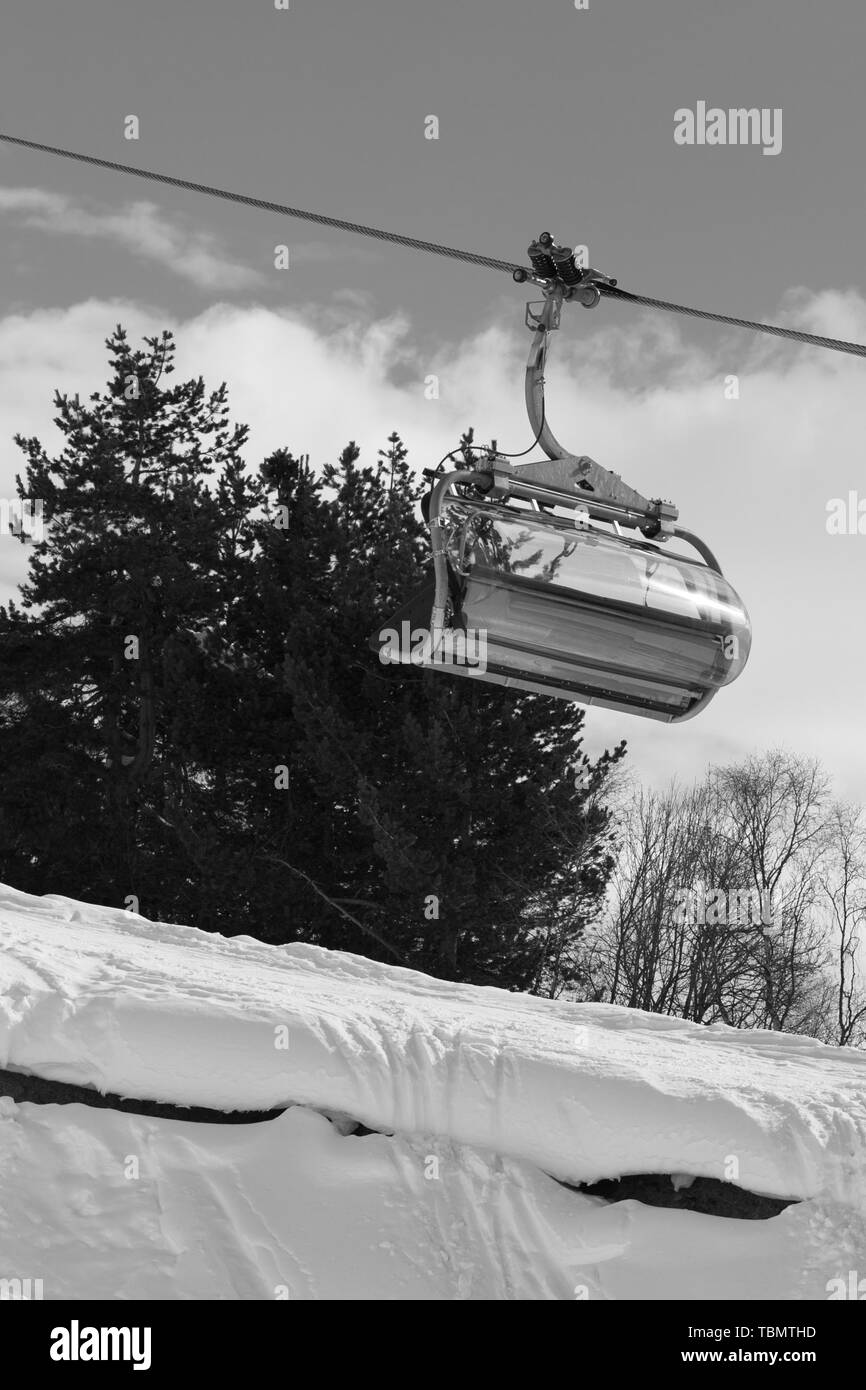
[
  {"x": 484, "y": 1099},
  {"x": 290, "y": 1208}
]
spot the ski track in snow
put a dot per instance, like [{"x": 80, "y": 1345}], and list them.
[{"x": 503, "y": 1092}]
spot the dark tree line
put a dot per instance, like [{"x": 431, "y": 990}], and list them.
[{"x": 191, "y": 719}]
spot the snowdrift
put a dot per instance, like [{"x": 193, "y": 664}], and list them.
[{"x": 486, "y": 1103}]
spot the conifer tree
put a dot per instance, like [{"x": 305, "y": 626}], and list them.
[
  {"x": 110, "y": 677},
  {"x": 437, "y": 811}
]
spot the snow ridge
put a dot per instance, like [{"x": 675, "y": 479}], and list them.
[{"x": 101, "y": 997}]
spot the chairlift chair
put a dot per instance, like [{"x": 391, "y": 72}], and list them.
[{"x": 537, "y": 586}]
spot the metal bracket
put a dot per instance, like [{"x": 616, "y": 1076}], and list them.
[
  {"x": 550, "y": 314},
  {"x": 579, "y": 482}
]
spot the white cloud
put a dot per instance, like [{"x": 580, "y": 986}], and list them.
[
  {"x": 143, "y": 229},
  {"x": 139, "y": 227},
  {"x": 752, "y": 476}
]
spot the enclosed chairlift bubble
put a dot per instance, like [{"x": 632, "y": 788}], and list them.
[{"x": 567, "y": 605}]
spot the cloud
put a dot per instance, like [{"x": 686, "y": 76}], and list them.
[
  {"x": 751, "y": 473},
  {"x": 143, "y": 229},
  {"x": 139, "y": 227}
]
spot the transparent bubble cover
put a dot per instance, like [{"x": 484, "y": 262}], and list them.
[{"x": 585, "y": 608}]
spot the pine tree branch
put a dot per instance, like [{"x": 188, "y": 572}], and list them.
[{"x": 332, "y": 902}]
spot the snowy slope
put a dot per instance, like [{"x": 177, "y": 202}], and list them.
[
  {"x": 290, "y": 1208},
  {"x": 92, "y": 995},
  {"x": 505, "y": 1091}
]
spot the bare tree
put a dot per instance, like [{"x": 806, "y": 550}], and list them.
[
  {"x": 845, "y": 893},
  {"x": 754, "y": 832},
  {"x": 651, "y": 951},
  {"x": 776, "y": 806}
]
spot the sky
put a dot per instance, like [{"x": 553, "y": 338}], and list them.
[{"x": 549, "y": 118}]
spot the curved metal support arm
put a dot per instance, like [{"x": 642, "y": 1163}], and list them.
[
  {"x": 535, "y": 408},
  {"x": 598, "y": 486},
  {"x": 700, "y": 546}
]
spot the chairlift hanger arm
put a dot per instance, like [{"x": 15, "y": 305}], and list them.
[{"x": 568, "y": 479}]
